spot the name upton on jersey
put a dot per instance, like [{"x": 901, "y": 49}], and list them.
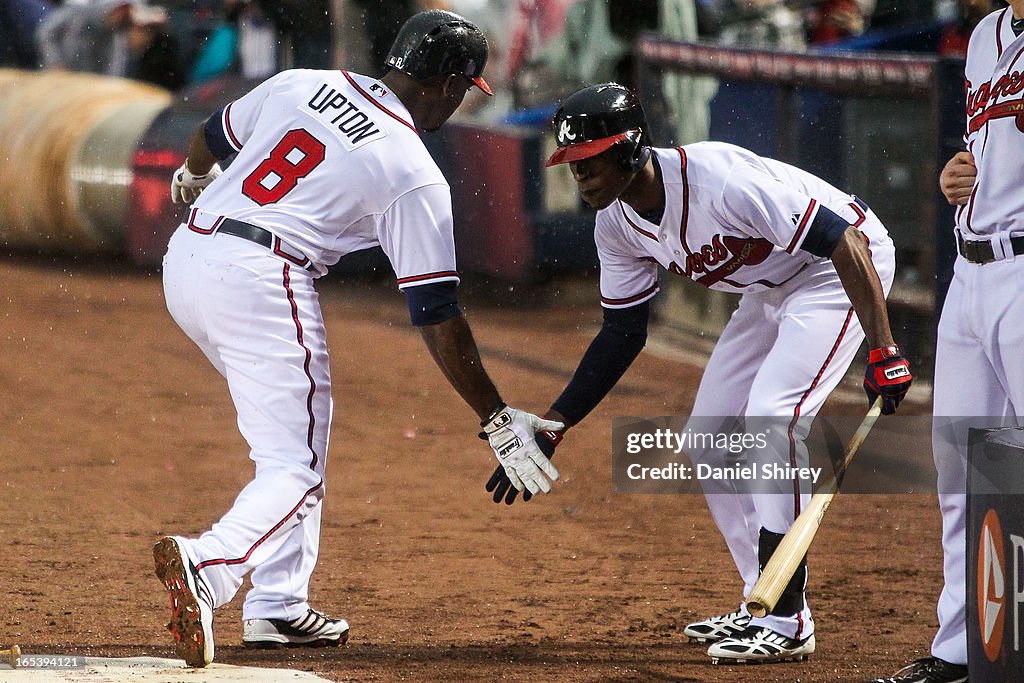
[{"x": 339, "y": 111}]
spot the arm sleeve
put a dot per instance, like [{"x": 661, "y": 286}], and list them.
[
  {"x": 216, "y": 139},
  {"x": 824, "y": 233},
  {"x": 613, "y": 350},
  {"x": 432, "y": 303},
  {"x": 417, "y": 235}
]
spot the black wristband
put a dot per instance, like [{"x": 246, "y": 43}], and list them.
[{"x": 494, "y": 414}]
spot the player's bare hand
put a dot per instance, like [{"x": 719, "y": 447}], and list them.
[
  {"x": 887, "y": 375},
  {"x": 500, "y": 486},
  {"x": 185, "y": 186},
  {"x": 512, "y": 435},
  {"x": 957, "y": 178}
]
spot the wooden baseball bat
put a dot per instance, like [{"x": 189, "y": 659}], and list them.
[
  {"x": 793, "y": 546},
  {"x": 11, "y": 656}
]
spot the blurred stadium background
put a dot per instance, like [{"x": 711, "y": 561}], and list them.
[{"x": 87, "y": 157}]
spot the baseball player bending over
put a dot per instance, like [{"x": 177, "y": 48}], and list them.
[
  {"x": 814, "y": 265},
  {"x": 979, "y": 369},
  {"x": 328, "y": 162}
]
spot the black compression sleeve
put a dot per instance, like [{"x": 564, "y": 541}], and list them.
[
  {"x": 213, "y": 133},
  {"x": 431, "y": 304},
  {"x": 613, "y": 350},
  {"x": 824, "y": 233}
]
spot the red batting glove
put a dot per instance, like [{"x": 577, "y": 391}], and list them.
[
  {"x": 550, "y": 441},
  {"x": 887, "y": 375}
]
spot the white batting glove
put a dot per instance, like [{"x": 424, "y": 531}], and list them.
[
  {"x": 512, "y": 435},
  {"x": 185, "y": 187}
]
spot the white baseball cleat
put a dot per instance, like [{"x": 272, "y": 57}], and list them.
[
  {"x": 713, "y": 629},
  {"x": 191, "y": 602},
  {"x": 312, "y": 629},
  {"x": 760, "y": 645}
]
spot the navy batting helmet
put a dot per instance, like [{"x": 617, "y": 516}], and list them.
[
  {"x": 437, "y": 42},
  {"x": 598, "y": 118}
]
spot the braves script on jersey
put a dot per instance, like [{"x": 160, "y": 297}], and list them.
[
  {"x": 995, "y": 123},
  {"x": 326, "y": 129},
  {"x": 733, "y": 221}
]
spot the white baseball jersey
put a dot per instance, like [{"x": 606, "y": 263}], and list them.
[
  {"x": 736, "y": 222},
  {"x": 733, "y": 221},
  {"x": 995, "y": 121},
  {"x": 330, "y": 162},
  {"x": 979, "y": 371}
]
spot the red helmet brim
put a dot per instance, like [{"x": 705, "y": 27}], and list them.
[
  {"x": 584, "y": 150},
  {"x": 482, "y": 84}
]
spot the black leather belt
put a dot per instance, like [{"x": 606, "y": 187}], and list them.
[
  {"x": 247, "y": 231},
  {"x": 980, "y": 251},
  {"x": 860, "y": 202},
  {"x": 263, "y": 237}
]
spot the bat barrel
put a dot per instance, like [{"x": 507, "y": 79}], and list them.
[{"x": 787, "y": 557}]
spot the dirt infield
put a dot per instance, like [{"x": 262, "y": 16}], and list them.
[{"x": 115, "y": 430}]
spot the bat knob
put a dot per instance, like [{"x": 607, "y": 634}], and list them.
[{"x": 756, "y": 609}]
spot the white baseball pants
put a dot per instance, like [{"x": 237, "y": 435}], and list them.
[
  {"x": 782, "y": 353},
  {"x": 979, "y": 371},
  {"x": 257, "y": 318}
]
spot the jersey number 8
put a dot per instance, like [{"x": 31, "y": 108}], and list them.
[{"x": 279, "y": 173}]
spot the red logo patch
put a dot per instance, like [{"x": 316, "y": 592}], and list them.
[{"x": 991, "y": 585}]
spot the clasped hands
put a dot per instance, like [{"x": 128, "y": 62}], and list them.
[{"x": 512, "y": 434}]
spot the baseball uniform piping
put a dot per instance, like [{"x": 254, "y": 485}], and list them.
[
  {"x": 279, "y": 251},
  {"x": 428, "y": 276},
  {"x": 686, "y": 200},
  {"x": 999, "y": 30},
  {"x": 803, "y": 226},
  {"x": 796, "y": 410},
  {"x": 970, "y": 205},
  {"x": 263, "y": 538},
  {"x": 305, "y": 365},
  {"x": 377, "y": 104},
  {"x": 636, "y": 227},
  {"x": 227, "y": 129},
  {"x": 861, "y": 216},
  {"x": 202, "y": 231},
  {"x": 636, "y": 298}
]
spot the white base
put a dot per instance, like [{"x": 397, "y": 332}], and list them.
[{"x": 154, "y": 670}]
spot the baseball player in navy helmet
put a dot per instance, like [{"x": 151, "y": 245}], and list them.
[
  {"x": 326, "y": 163},
  {"x": 813, "y": 265}
]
